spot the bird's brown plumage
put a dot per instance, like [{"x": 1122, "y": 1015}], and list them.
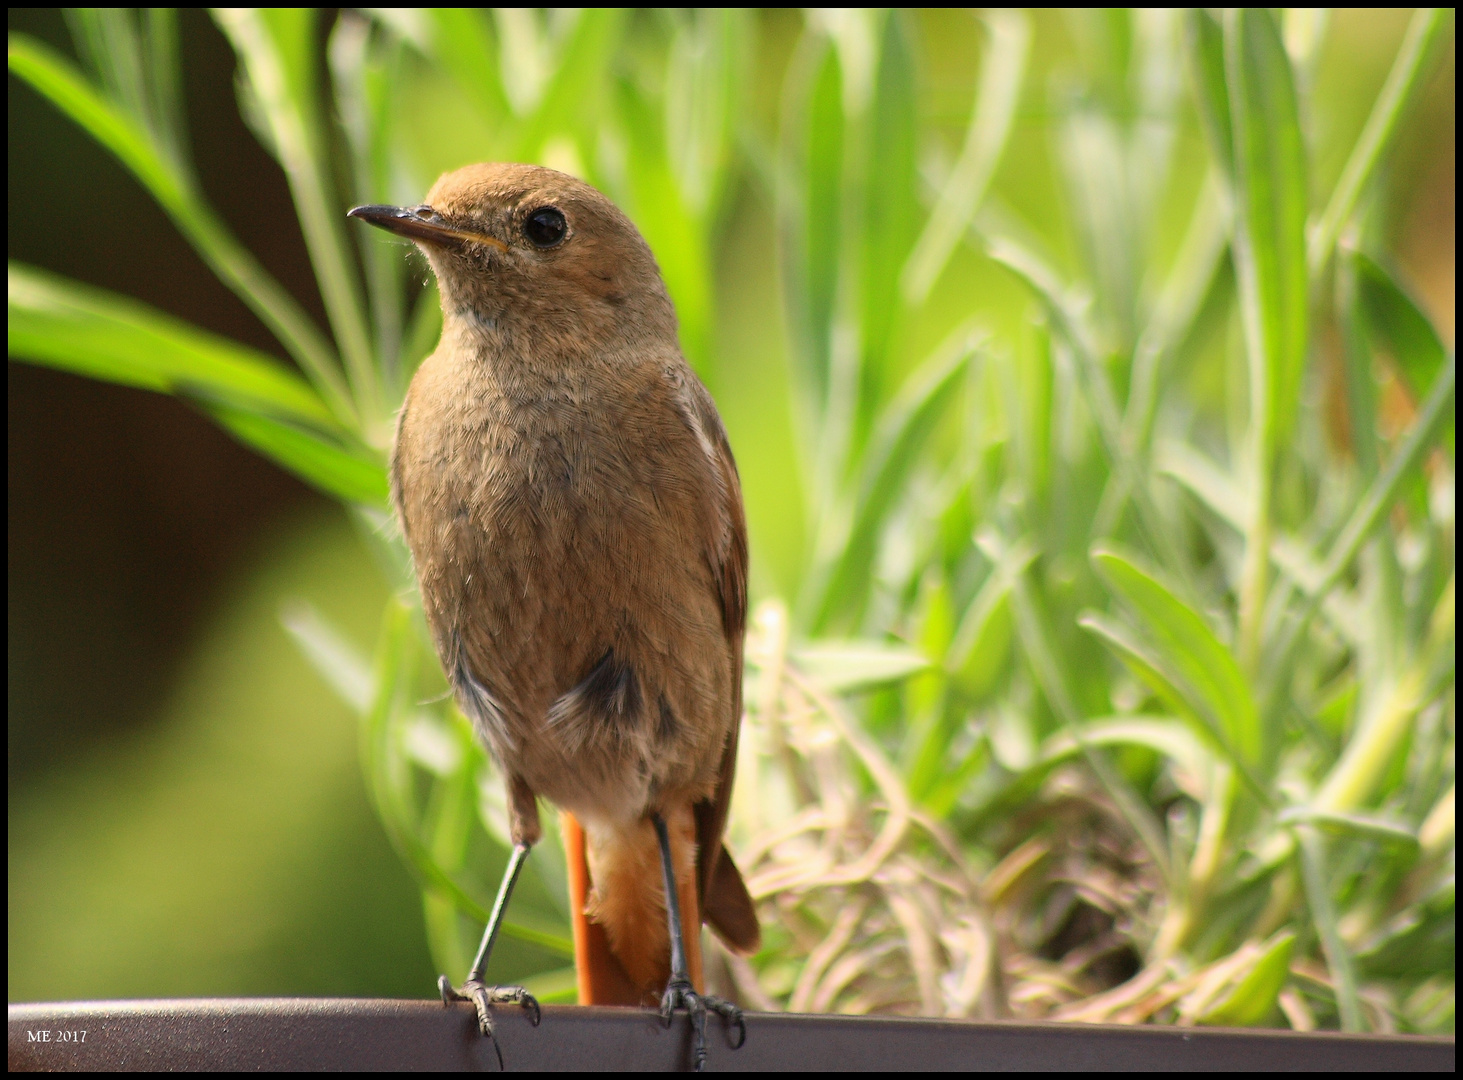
[{"x": 573, "y": 510}]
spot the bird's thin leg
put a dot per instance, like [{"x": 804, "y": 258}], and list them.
[
  {"x": 679, "y": 993},
  {"x": 474, "y": 989}
]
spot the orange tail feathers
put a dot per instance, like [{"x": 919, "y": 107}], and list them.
[{"x": 632, "y": 904}]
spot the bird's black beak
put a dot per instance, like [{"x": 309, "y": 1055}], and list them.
[{"x": 424, "y": 224}]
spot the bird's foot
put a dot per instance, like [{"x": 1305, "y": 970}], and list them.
[
  {"x": 483, "y": 997},
  {"x": 680, "y": 994}
]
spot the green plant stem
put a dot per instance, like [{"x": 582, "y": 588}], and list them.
[{"x": 1370, "y": 750}]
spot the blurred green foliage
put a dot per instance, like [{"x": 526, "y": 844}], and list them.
[{"x": 1083, "y": 418}]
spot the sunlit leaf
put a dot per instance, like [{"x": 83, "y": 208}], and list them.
[
  {"x": 1190, "y": 647},
  {"x": 1252, "y": 1001},
  {"x": 1163, "y": 735},
  {"x": 1367, "y": 826},
  {"x": 351, "y": 473},
  {"x": 91, "y": 332},
  {"x": 1271, "y": 202},
  {"x": 1002, "y": 71},
  {"x": 278, "y": 55},
  {"x": 843, "y": 667},
  {"x": 335, "y": 658},
  {"x": 1396, "y": 324},
  {"x": 55, "y": 79},
  {"x": 1206, "y": 59},
  {"x": 902, "y": 430}
]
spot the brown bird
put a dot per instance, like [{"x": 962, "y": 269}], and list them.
[{"x": 575, "y": 517}]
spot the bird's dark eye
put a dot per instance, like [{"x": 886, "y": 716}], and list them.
[{"x": 545, "y": 227}]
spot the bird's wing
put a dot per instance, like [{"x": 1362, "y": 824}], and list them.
[{"x": 726, "y": 904}]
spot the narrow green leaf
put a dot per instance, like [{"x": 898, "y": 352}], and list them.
[
  {"x": 1164, "y": 735},
  {"x": 902, "y": 430},
  {"x": 101, "y": 335},
  {"x": 1253, "y": 1000},
  {"x": 1002, "y": 71},
  {"x": 52, "y": 76},
  {"x": 1369, "y": 511},
  {"x": 464, "y": 44},
  {"x": 1367, "y": 826},
  {"x": 1207, "y": 480},
  {"x": 1144, "y": 661},
  {"x": 353, "y": 474},
  {"x": 1188, "y": 646},
  {"x": 56, "y": 80},
  {"x": 1206, "y": 58},
  {"x": 1426, "y": 28},
  {"x": 1396, "y": 324},
  {"x": 1271, "y": 201},
  {"x": 706, "y": 77},
  {"x": 335, "y": 658},
  {"x": 981, "y": 640},
  {"x": 277, "y": 54},
  {"x": 1036, "y": 638},
  {"x": 570, "y": 102},
  {"x": 843, "y": 667},
  {"x": 1313, "y": 865},
  {"x": 1070, "y": 323},
  {"x": 890, "y": 225},
  {"x": 366, "y": 67},
  {"x": 812, "y": 209},
  {"x": 656, "y": 204}
]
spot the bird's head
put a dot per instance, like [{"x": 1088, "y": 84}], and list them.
[{"x": 536, "y": 254}]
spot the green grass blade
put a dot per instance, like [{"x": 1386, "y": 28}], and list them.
[
  {"x": 1174, "y": 690},
  {"x": 890, "y": 224},
  {"x": 350, "y": 474},
  {"x": 1196, "y": 270},
  {"x": 658, "y": 207},
  {"x": 1323, "y": 913},
  {"x": 1396, "y": 324},
  {"x": 101, "y": 335},
  {"x": 842, "y": 667},
  {"x": 810, "y": 195},
  {"x": 1271, "y": 201},
  {"x": 463, "y": 42},
  {"x": 1206, "y": 59},
  {"x": 1361, "y": 383},
  {"x": 1366, "y": 826},
  {"x": 906, "y": 424},
  {"x": 1426, "y": 28},
  {"x": 1252, "y": 1002},
  {"x": 706, "y": 73},
  {"x": 570, "y": 100},
  {"x": 366, "y": 70},
  {"x": 1002, "y": 74},
  {"x": 1383, "y": 490},
  {"x": 1379, "y": 496},
  {"x": 1190, "y": 647},
  {"x": 335, "y": 658},
  {"x": 1036, "y": 638},
  {"x": 978, "y": 648},
  {"x": 60, "y": 84},
  {"x": 1169, "y": 738},
  {"x": 277, "y": 52}
]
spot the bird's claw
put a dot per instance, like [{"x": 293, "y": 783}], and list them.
[
  {"x": 681, "y": 995},
  {"x": 483, "y": 997}
]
